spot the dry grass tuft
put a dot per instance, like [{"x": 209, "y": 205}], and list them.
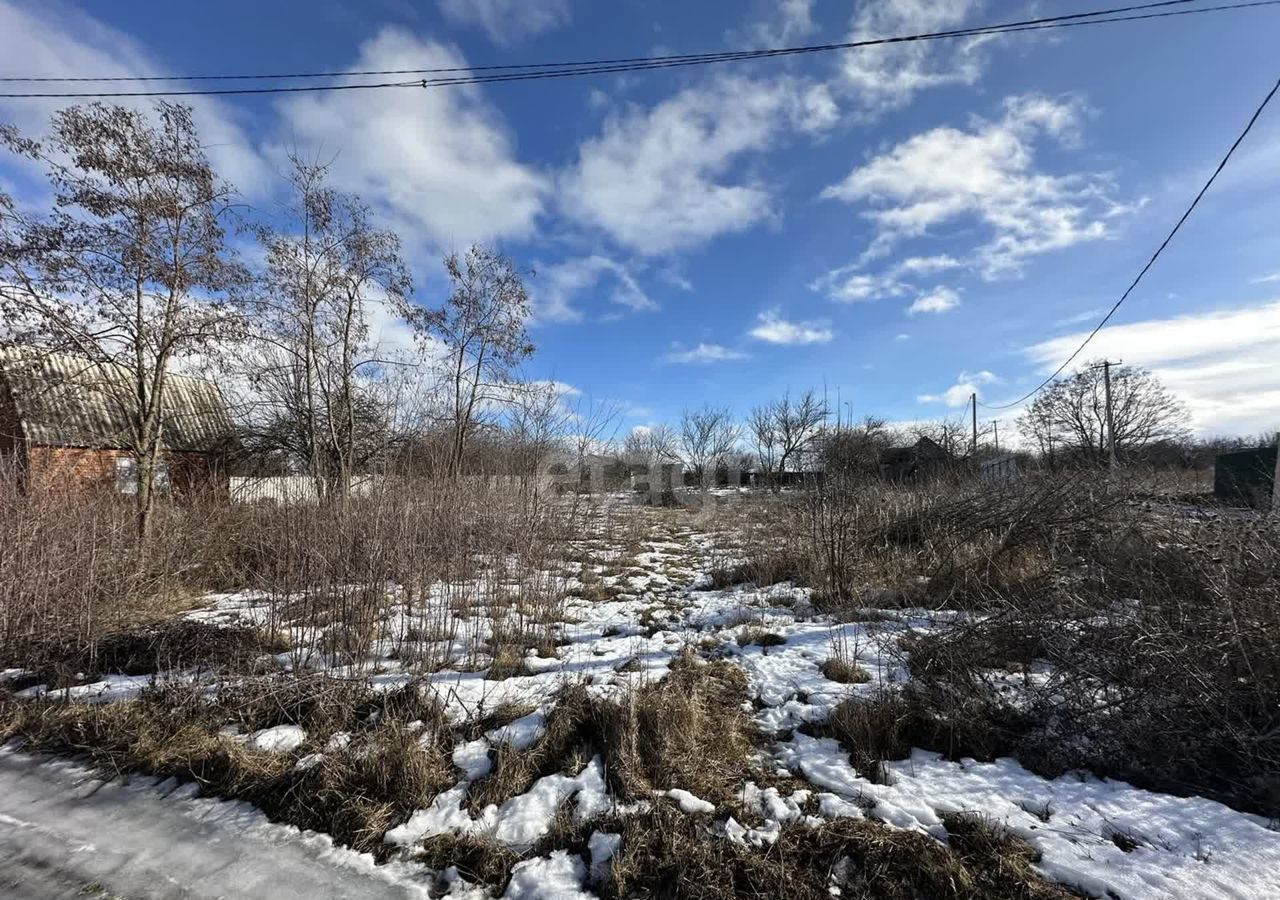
[
  {"x": 479, "y": 859},
  {"x": 759, "y": 636},
  {"x": 844, "y": 671}
]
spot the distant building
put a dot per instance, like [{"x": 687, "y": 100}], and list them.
[
  {"x": 914, "y": 463},
  {"x": 64, "y": 422},
  {"x": 1000, "y": 468},
  {"x": 1245, "y": 477}
]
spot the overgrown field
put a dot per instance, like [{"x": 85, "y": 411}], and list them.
[{"x": 1065, "y": 685}]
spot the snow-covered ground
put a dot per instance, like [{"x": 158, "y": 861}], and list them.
[
  {"x": 64, "y": 833},
  {"x": 646, "y": 604}
]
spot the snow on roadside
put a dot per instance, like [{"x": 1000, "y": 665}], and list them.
[
  {"x": 520, "y": 821},
  {"x": 555, "y": 877},
  {"x": 278, "y": 739},
  {"x": 1186, "y": 847},
  {"x": 60, "y": 823}
]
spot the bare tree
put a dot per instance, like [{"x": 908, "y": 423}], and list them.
[
  {"x": 707, "y": 438},
  {"x": 653, "y": 444},
  {"x": 482, "y": 331},
  {"x": 1070, "y": 416},
  {"x": 783, "y": 431},
  {"x": 129, "y": 272},
  {"x": 955, "y": 436},
  {"x": 593, "y": 426},
  {"x": 854, "y": 449},
  {"x": 313, "y": 368}
]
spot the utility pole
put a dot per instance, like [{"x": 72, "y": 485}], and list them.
[
  {"x": 974, "y": 398},
  {"x": 995, "y": 425},
  {"x": 1275, "y": 482},
  {"x": 1111, "y": 424}
]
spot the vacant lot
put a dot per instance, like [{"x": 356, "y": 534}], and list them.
[{"x": 1063, "y": 686}]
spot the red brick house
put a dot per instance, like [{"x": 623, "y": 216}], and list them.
[{"x": 64, "y": 423}]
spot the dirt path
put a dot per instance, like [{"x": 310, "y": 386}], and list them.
[{"x": 65, "y": 834}]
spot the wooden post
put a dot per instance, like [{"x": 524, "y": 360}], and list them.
[{"x": 1111, "y": 424}]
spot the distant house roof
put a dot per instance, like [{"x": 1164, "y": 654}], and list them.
[
  {"x": 925, "y": 447},
  {"x": 66, "y": 401}
]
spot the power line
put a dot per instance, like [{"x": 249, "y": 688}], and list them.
[
  {"x": 537, "y": 71},
  {"x": 1150, "y": 262}
]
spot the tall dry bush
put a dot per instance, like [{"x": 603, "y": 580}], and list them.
[
  {"x": 72, "y": 569},
  {"x": 1136, "y": 639},
  {"x": 392, "y": 571}
]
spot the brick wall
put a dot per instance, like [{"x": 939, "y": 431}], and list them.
[{"x": 60, "y": 468}]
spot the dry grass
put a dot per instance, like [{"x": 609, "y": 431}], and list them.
[
  {"x": 669, "y": 855},
  {"x": 687, "y": 731},
  {"x": 355, "y": 794},
  {"x": 844, "y": 671}
]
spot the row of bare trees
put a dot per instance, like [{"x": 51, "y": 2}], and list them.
[{"x": 139, "y": 268}]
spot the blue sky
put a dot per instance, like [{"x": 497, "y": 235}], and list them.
[{"x": 900, "y": 226}]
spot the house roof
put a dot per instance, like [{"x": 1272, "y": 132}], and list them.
[{"x": 66, "y": 401}]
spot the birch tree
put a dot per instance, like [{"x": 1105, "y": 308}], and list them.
[
  {"x": 314, "y": 370},
  {"x": 482, "y": 332},
  {"x": 129, "y": 271}
]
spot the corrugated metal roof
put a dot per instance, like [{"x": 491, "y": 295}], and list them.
[{"x": 66, "y": 401}]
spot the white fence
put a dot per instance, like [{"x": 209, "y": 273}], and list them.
[
  {"x": 290, "y": 489},
  {"x": 293, "y": 489}
]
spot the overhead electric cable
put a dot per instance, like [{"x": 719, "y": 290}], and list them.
[
  {"x": 1150, "y": 262},
  {"x": 537, "y": 71}
]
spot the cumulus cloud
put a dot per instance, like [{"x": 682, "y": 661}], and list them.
[
  {"x": 440, "y": 163},
  {"x": 938, "y": 300},
  {"x": 927, "y": 265},
  {"x": 968, "y": 384},
  {"x": 850, "y": 285},
  {"x": 55, "y": 40},
  {"x": 987, "y": 173},
  {"x": 556, "y": 287},
  {"x": 878, "y": 79},
  {"x": 786, "y": 22},
  {"x": 663, "y": 178},
  {"x": 773, "y": 329},
  {"x": 1222, "y": 364},
  {"x": 507, "y": 21},
  {"x": 703, "y": 353}
]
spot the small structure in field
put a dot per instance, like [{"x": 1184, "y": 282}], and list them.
[
  {"x": 64, "y": 422},
  {"x": 1245, "y": 477},
  {"x": 1001, "y": 468},
  {"x": 914, "y": 463}
]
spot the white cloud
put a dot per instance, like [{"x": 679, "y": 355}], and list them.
[
  {"x": 440, "y": 163},
  {"x": 938, "y": 300},
  {"x": 902, "y": 336},
  {"x": 773, "y": 329},
  {"x": 507, "y": 21},
  {"x": 968, "y": 384},
  {"x": 57, "y": 40},
  {"x": 986, "y": 172},
  {"x": 556, "y": 287},
  {"x": 1222, "y": 364},
  {"x": 927, "y": 265},
  {"x": 887, "y": 77},
  {"x": 1267, "y": 279},
  {"x": 848, "y": 285},
  {"x": 787, "y": 22},
  {"x": 703, "y": 353},
  {"x": 663, "y": 179}
]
